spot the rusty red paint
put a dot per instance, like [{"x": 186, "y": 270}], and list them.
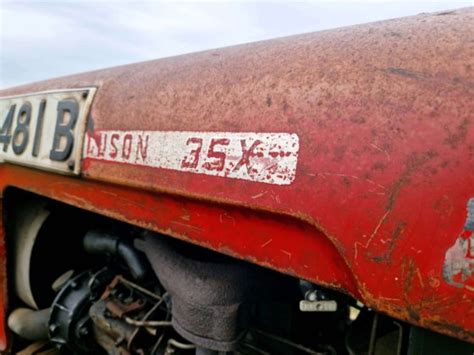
[
  {"x": 3, "y": 277},
  {"x": 384, "y": 117}
]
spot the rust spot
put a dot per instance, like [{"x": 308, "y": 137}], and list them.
[
  {"x": 414, "y": 162},
  {"x": 395, "y": 34},
  {"x": 459, "y": 135},
  {"x": 413, "y": 314},
  {"x": 269, "y": 101},
  {"x": 378, "y": 166},
  {"x": 346, "y": 181},
  {"x": 407, "y": 283},
  {"x": 455, "y": 330},
  {"x": 358, "y": 119},
  {"x": 406, "y": 73},
  {"x": 396, "y": 234}
]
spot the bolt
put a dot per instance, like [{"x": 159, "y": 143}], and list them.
[
  {"x": 85, "y": 94},
  {"x": 71, "y": 164},
  {"x": 84, "y": 331},
  {"x": 312, "y": 296},
  {"x": 52, "y": 328}
]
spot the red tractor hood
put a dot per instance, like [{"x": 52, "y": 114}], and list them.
[{"x": 361, "y": 137}]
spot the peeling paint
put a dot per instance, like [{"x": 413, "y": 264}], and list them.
[{"x": 458, "y": 269}]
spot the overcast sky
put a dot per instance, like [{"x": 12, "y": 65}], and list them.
[{"x": 45, "y": 39}]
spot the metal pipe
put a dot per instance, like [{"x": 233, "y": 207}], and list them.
[{"x": 29, "y": 324}]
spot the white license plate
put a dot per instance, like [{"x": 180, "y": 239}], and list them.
[{"x": 45, "y": 130}]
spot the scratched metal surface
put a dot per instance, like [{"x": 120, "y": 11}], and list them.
[{"x": 385, "y": 169}]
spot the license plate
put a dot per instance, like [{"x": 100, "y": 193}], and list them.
[{"x": 45, "y": 130}]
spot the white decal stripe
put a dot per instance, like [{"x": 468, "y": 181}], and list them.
[{"x": 262, "y": 157}]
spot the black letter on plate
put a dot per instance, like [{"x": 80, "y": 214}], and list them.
[
  {"x": 39, "y": 129},
  {"x": 5, "y": 136},
  {"x": 22, "y": 129},
  {"x": 64, "y": 130}
]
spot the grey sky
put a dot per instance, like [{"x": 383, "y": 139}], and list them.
[{"x": 45, "y": 39}]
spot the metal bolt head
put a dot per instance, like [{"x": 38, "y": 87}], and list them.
[
  {"x": 84, "y": 331},
  {"x": 71, "y": 164},
  {"x": 312, "y": 296}
]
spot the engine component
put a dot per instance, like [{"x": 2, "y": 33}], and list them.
[
  {"x": 30, "y": 219},
  {"x": 37, "y": 235},
  {"x": 208, "y": 296},
  {"x": 102, "y": 309},
  {"x": 29, "y": 324},
  {"x": 62, "y": 280},
  {"x": 314, "y": 299},
  {"x": 210, "y": 293},
  {"x": 128, "y": 318},
  {"x": 112, "y": 334},
  {"x": 98, "y": 242},
  {"x": 216, "y": 303},
  {"x": 69, "y": 322}
]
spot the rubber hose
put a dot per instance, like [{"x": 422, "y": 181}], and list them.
[
  {"x": 29, "y": 324},
  {"x": 102, "y": 243}
]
